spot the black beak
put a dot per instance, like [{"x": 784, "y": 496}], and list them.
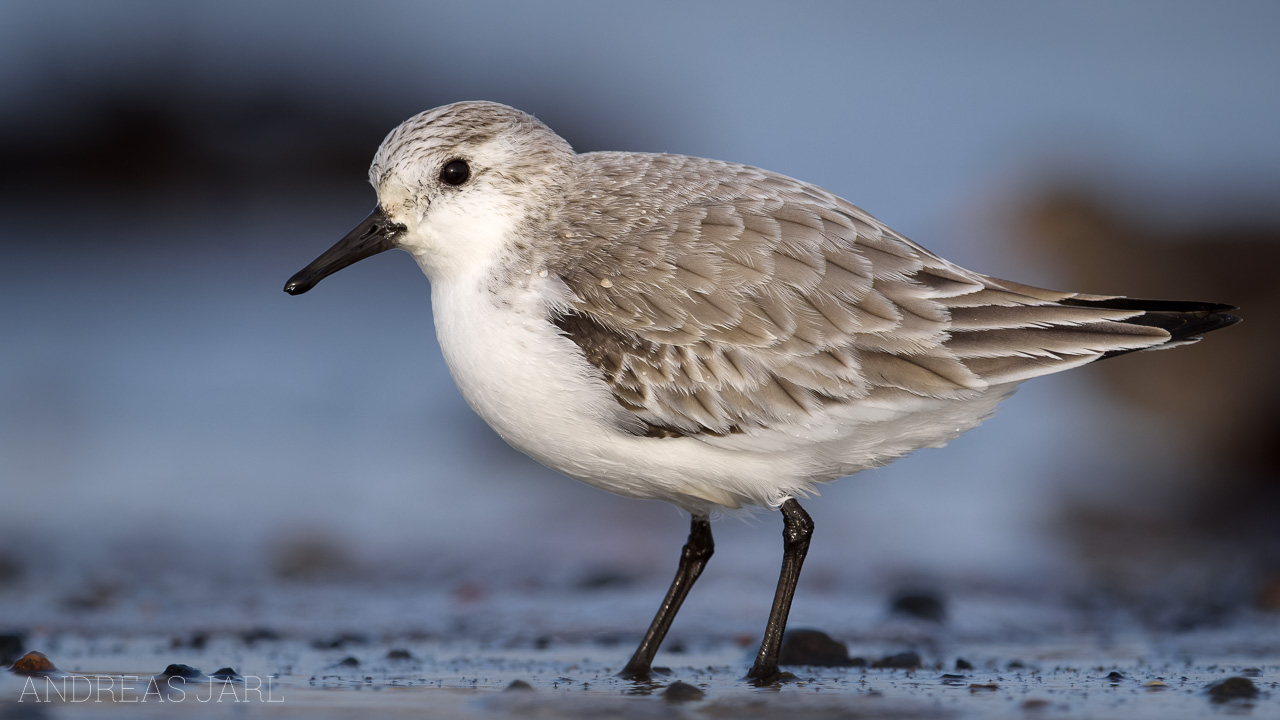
[{"x": 370, "y": 237}]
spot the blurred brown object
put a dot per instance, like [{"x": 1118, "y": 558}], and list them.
[
  {"x": 1223, "y": 404},
  {"x": 312, "y": 555},
  {"x": 1216, "y": 408}
]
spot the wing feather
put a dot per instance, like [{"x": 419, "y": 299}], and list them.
[{"x": 718, "y": 299}]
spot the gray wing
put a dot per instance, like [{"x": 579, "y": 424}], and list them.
[{"x": 717, "y": 298}]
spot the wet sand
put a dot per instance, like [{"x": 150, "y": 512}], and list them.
[{"x": 336, "y": 651}]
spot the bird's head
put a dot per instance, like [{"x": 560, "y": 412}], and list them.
[{"x": 455, "y": 185}]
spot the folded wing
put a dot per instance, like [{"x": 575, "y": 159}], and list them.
[{"x": 720, "y": 299}]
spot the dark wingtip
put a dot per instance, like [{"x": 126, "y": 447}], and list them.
[
  {"x": 1170, "y": 306},
  {"x": 1185, "y": 325},
  {"x": 1185, "y": 321}
]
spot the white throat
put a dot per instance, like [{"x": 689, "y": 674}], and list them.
[{"x": 458, "y": 237}]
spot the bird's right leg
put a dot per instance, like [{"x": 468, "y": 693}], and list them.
[{"x": 693, "y": 558}]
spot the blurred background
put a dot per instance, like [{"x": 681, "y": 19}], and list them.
[{"x": 168, "y": 415}]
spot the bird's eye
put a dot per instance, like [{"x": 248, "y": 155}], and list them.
[{"x": 455, "y": 172}]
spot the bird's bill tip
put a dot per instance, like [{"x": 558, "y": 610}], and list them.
[{"x": 298, "y": 284}]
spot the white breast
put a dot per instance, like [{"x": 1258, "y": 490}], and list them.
[{"x": 517, "y": 372}]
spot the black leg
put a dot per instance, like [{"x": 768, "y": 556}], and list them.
[
  {"x": 693, "y": 558},
  {"x": 796, "y": 530}
]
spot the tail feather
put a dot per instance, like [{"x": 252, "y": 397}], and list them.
[{"x": 1185, "y": 321}]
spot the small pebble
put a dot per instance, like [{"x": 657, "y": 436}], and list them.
[
  {"x": 901, "y": 661},
  {"x": 604, "y": 579},
  {"x": 340, "y": 641},
  {"x": 983, "y": 687},
  {"x": 259, "y": 635},
  {"x": 680, "y": 691},
  {"x": 518, "y": 686},
  {"x": 1115, "y": 676},
  {"x": 178, "y": 670},
  {"x": 922, "y": 605},
  {"x": 812, "y": 647},
  {"x": 399, "y": 654},
  {"x": 1233, "y": 688},
  {"x": 962, "y": 664},
  {"x": 33, "y": 663}
]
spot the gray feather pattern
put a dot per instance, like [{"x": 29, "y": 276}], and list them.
[{"x": 717, "y": 299}]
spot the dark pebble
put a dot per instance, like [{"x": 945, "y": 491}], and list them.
[
  {"x": 10, "y": 647},
  {"x": 812, "y": 647},
  {"x": 33, "y": 663},
  {"x": 96, "y": 596},
  {"x": 197, "y": 641},
  {"x": 922, "y": 605},
  {"x": 348, "y": 662},
  {"x": 604, "y": 579},
  {"x": 1115, "y": 676},
  {"x": 613, "y": 639},
  {"x": 1251, "y": 672},
  {"x": 901, "y": 661},
  {"x": 337, "y": 642},
  {"x": 399, "y": 654},
  {"x": 225, "y": 673},
  {"x": 679, "y": 692},
  {"x": 950, "y": 679},
  {"x": 1233, "y": 688},
  {"x": 250, "y": 637},
  {"x": 962, "y": 664},
  {"x": 518, "y": 686},
  {"x": 178, "y": 670},
  {"x": 1017, "y": 665}
]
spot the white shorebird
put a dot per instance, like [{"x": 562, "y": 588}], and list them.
[{"x": 705, "y": 333}]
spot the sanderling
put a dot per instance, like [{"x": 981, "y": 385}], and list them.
[{"x": 705, "y": 333}]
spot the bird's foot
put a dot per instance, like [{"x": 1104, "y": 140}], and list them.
[
  {"x": 642, "y": 674},
  {"x": 765, "y": 677}
]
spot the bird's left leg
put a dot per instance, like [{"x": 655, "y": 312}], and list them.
[{"x": 796, "y": 530}]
